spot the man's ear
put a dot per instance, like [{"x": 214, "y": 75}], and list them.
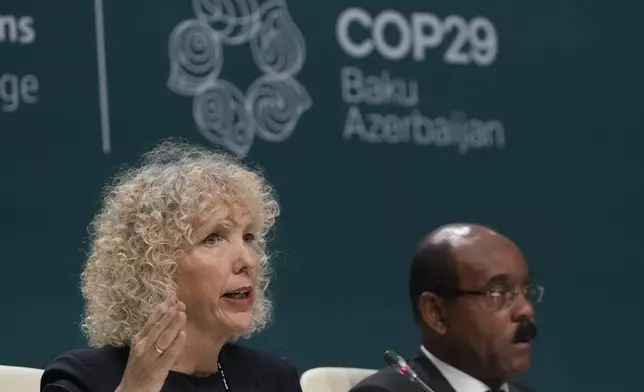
[{"x": 432, "y": 308}]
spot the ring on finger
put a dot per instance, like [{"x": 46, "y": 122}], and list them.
[{"x": 159, "y": 349}]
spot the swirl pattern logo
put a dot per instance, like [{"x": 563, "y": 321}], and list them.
[{"x": 273, "y": 104}]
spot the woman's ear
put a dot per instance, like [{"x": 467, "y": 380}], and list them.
[{"x": 432, "y": 308}]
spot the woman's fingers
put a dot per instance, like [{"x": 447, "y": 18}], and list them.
[
  {"x": 170, "y": 333},
  {"x": 160, "y": 310},
  {"x": 153, "y": 336},
  {"x": 172, "y": 353},
  {"x": 156, "y": 347}
]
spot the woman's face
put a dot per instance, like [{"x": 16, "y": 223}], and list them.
[{"x": 217, "y": 275}]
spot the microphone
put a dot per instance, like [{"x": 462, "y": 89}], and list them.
[{"x": 400, "y": 366}]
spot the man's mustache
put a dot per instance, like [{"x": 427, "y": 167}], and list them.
[{"x": 526, "y": 331}]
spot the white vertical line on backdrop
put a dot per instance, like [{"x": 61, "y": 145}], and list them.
[{"x": 102, "y": 76}]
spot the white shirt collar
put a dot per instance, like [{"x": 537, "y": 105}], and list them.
[{"x": 460, "y": 381}]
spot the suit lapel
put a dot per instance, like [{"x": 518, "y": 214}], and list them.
[{"x": 430, "y": 374}]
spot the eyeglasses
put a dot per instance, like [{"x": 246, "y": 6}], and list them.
[{"x": 502, "y": 297}]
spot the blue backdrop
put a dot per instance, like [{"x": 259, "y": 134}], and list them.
[{"x": 376, "y": 121}]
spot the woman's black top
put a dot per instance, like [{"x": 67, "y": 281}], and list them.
[{"x": 101, "y": 370}]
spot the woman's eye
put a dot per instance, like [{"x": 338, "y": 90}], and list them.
[
  {"x": 212, "y": 239},
  {"x": 249, "y": 237}
]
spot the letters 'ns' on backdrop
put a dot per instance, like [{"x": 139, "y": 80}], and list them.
[{"x": 376, "y": 121}]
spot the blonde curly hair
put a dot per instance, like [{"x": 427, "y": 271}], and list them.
[{"x": 147, "y": 215}]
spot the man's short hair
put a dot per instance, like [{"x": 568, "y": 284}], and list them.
[{"x": 433, "y": 270}]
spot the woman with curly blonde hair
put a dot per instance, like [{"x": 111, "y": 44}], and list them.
[{"x": 177, "y": 271}]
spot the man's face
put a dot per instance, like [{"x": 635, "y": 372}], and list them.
[{"x": 492, "y": 332}]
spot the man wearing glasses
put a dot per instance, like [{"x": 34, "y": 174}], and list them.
[{"x": 472, "y": 297}]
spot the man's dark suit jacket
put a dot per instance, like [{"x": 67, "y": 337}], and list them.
[
  {"x": 101, "y": 370},
  {"x": 386, "y": 380}
]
